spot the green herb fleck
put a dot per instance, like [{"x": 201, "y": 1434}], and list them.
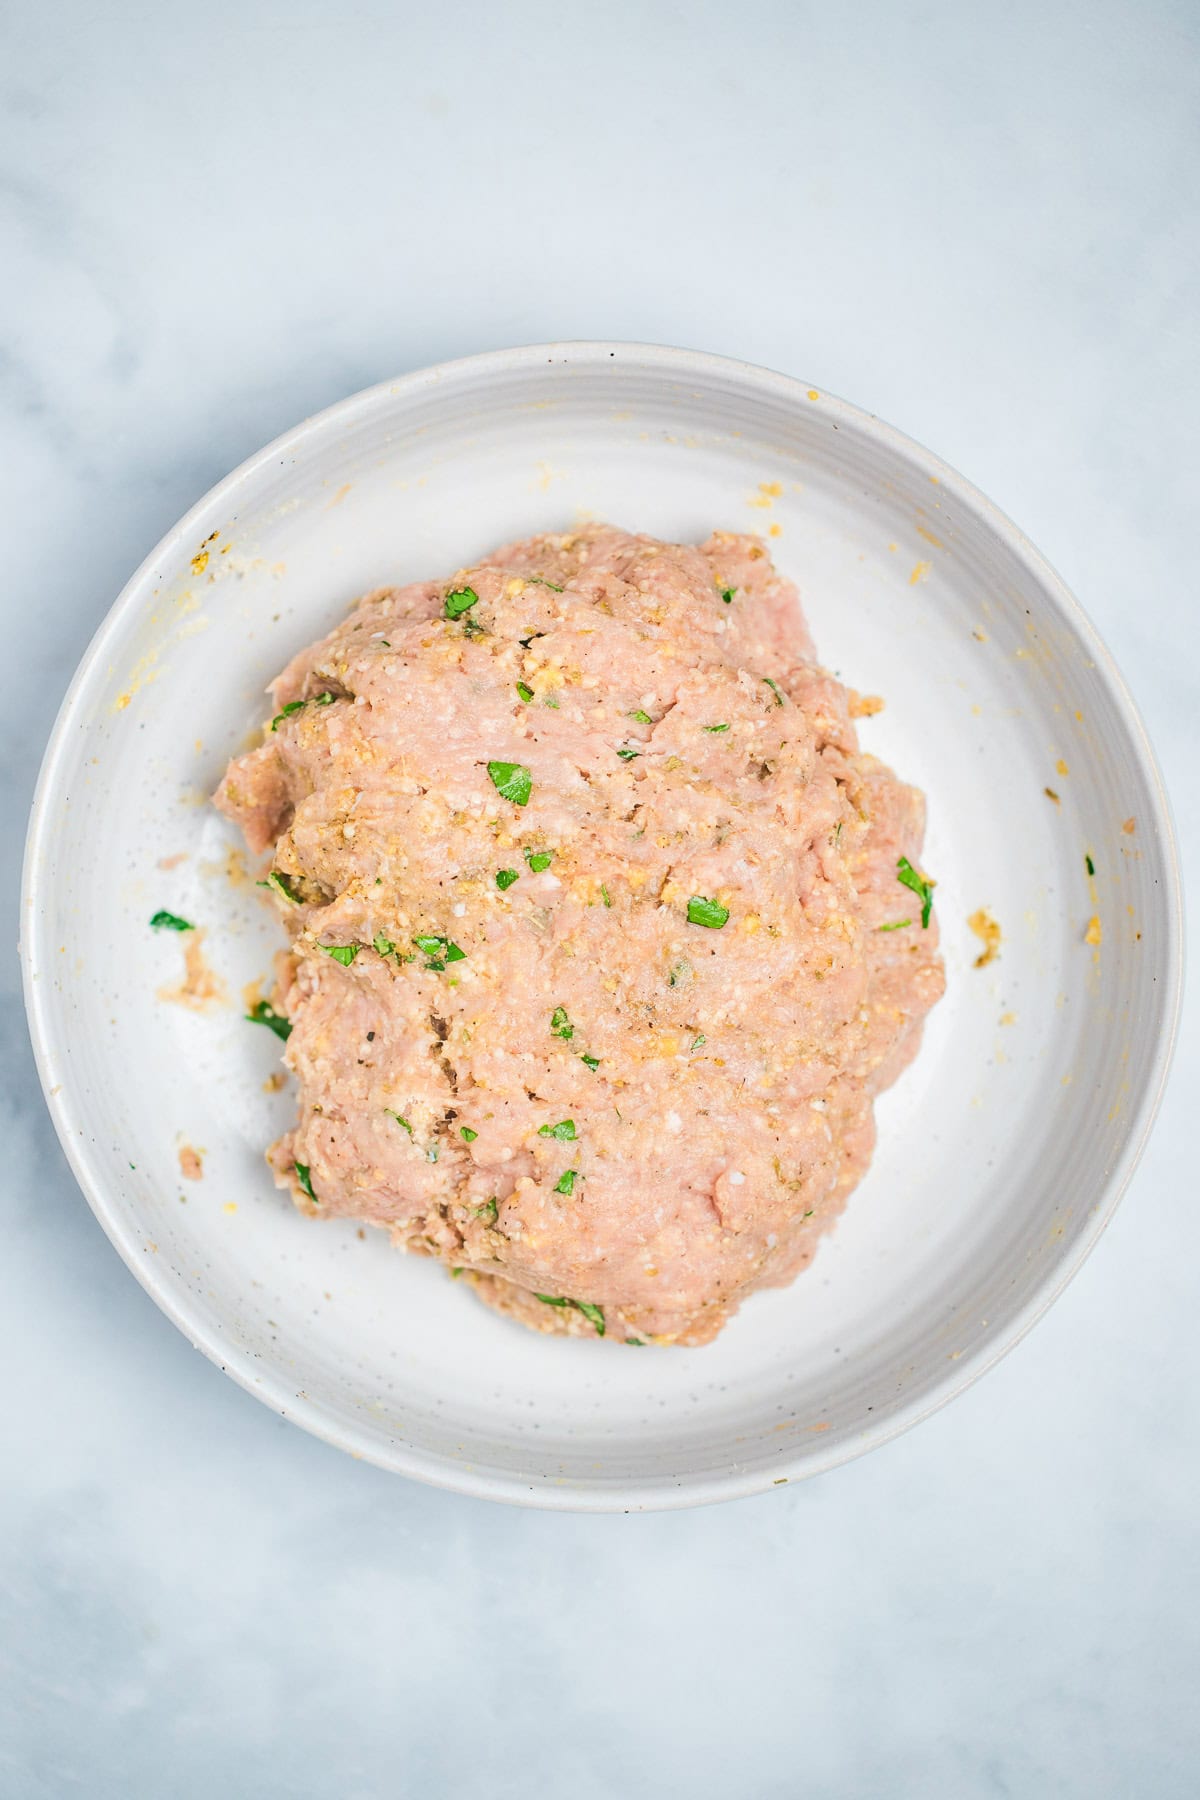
[
  {"x": 643, "y": 718},
  {"x": 727, "y": 595},
  {"x": 283, "y": 884},
  {"x": 894, "y": 925},
  {"x": 775, "y": 689},
  {"x": 488, "y": 1213},
  {"x": 399, "y": 1118},
  {"x": 560, "y": 1024},
  {"x": 539, "y": 860},
  {"x": 540, "y": 581},
  {"x": 679, "y": 973},
  {"x": 285, "y": 712},
  {"x": 525, "y": 691},
  {"x": 384, "y": 946},
  {"x": 922, "y": 888},
  {"x": 263, "y": 1013},
  {"x": 305, "y": 1179},
  {"x": 594, "y": 1313},
  {"x": 431, "y": 1154},
  {"x": 550, "y": 701},
  {"x": 1088, "y": 863},
  {"x": 604, "y": 895},
  {"x": 512, "y": 781},
  {"x": 467, "y": 1135},
  {"x": 627, "y": 755},
  {"x": 640, "y": 1342},
  {"x": 564, "y": 1131},
  {"x": 169, "y": 921},
  {"x": 706, "y": 912},
  {"x": 460, "y": 601},
  {"x": 698, "y": 1041},
  {"x": 716, "y": 728},
  {"x": 439, "y": 951},
  {"x": 327, "y": 699},
  {"x": 593, "y": 1062},
  {"x": 566, "y": 1182},
  {"x": 505, "y": 878},
  {"x": 341, "y": 953}
]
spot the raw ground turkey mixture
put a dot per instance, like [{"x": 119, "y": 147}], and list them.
[{"x": 605, "y": 934}]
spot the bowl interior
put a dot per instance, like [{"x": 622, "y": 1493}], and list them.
[{"x": 999, "y": 1150}]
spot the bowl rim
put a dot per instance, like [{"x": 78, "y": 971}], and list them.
[{"x": 664, "y": 1491}]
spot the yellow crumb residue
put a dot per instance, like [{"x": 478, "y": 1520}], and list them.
[
  {"x": 201, "y": 988},
  {"x": 987, "y": 930},
  {"x": 813, "y": 394},
  {"x": 1061, "y": 767},
  {"x": 865, "y": 706},
  {"x": 1093, "y": 934},
  {"x": 929, "y": 537},
  {"x": 1129, "y": 827},
  {"x": 274, "y": 1082},
  {"x": 919, "y": 571}
]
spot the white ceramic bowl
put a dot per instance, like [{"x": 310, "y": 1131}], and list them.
[{"x": 1002, "y": 1153}]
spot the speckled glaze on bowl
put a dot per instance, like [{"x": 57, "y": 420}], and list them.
[{"x": 1002, "y": 1153}]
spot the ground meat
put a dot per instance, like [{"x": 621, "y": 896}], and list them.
[{"x": 589, "y": 884}]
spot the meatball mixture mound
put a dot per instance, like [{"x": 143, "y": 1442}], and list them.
[{"x": 605, "y": 933}]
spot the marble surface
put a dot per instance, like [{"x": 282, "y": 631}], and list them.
[{"x": 982, "y": 226}]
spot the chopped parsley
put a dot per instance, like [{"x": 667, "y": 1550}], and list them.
[
  {"x": 594, "y": 1313},
  {"x": 1088, "y": 864},
  {"x": 505, "y": 878},
  {"x": 304, "y": 1177},
  {"x": 564, "y": 1131},
  {"x": 525, "y": 691},
  {"x": 775, "y": 689},
  {"x": 643, "y": 718},
  {"x": 640, "y": 1342},
  {"x": 706, "y": 912},
  {"x": 384, "y": 946},
  {"x": 399, "y": 1118},
  {"x": 539, "y": 860},
  {"x": 566, "y": 1182},
  {"x": 593, "y": 1062},
  {"x": 727, "y": 595},
  {"x": 341, "y": 953},
  {"x": 560, "y": 1024},
  {"x": 679, "y": 973},
  {"x": 512, "y": 781},
  {"x": 431, "y": 1154},
  {"x": 540, "y": 581},
  {"x": 698, "y": 1042},
  {"x": 626, "y": 754},
  {"x": 263, "y": 1013},
  {"x": 605, "y": 896},
  {"x": 467, "y": 1135},
  {"x": 460, "y": 601},
  {"x": 488, "y": 1213},
  {"x": 169, "y": 921},
  {"x": 894, "y": 925},
  {"x": 922, "y": 888},
  {"x": 294, "y": 706},
  {"x": 439, "y": 951},
  {"x": 716, "y": 728},
  {"x": 284, "y": 885}
]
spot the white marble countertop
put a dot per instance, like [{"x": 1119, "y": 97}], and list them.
[{"x": 980, "y": 226}]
